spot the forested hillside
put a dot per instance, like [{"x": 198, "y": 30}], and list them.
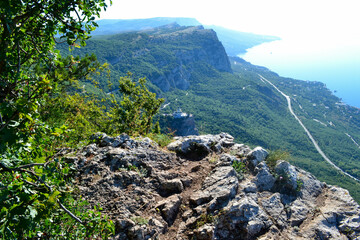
[{"x": 180, "y": 64}]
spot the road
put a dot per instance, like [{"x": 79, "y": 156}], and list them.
[{"x": 288, "y": 99}]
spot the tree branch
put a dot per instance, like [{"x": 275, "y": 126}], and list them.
[
  {"x": 21, "y": 168},
  {"x": 70, "y": 213}
]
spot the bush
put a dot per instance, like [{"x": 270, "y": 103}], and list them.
[{"x": 276, "y": 155}]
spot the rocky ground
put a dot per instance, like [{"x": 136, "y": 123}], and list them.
[{"x": 208, "y": 187}]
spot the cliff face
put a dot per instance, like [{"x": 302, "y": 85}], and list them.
[
  {"x": 209, "y": 187},
  {"x": 198, "y": 46},
  {"x": 167, "y": 55}
]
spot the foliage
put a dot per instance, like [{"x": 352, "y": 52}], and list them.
[
  {"x": 30, "y": 68},
  {"x": 134, "y": 114},
  {"x": 239, "y": 167},
  {"x": 37, "y": 201},
  {"x": 140, "y": 220},
  {"x": 276, "y": 155},
  {"x": 82, "y": 115},
  {"x": 299, "y": 185},
  {"x": 36, "y": 191},
  {"x": 141, "y": 171},
  {"x": 162, "y": 139},
  {"x": 204, "y": 219}
]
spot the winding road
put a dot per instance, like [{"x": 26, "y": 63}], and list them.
[{"x": 307, "y": 131}]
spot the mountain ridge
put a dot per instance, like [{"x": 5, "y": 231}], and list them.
[{"x": 235, "y": 42}]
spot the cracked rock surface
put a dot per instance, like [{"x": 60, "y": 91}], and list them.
[{"x": 190, "y": 190}]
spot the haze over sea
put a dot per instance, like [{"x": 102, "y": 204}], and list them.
[{"x": 338, "y": 66}]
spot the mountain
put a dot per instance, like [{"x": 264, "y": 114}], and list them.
[
  {"x": 167, "y": 56},
  {"x": 114, "y": 26},
  {"x": 234, "y": 42},
  {"x": 190, "y": 69},
  {"x": 207, "y": 187}
]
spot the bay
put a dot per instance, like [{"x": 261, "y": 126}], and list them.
[{"x": 335, "y": 64}]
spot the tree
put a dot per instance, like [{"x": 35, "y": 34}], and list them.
[
  {"x": 30, "y": 65},
  {"x": 134, "y": 114},
  {"x": 36, "y": 200}
]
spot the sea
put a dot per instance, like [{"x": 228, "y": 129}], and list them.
[{"x": 336, "y": 65}]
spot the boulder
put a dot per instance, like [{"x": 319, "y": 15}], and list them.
[
  {"x": 310, "y": 187},
  {"x": 287, "y": 176},
  {"x": 172, "y": 186},
  {"x": 204, "y": 232},
  {"x": 298, "y": 212},
  {"x": 201, "y": 145},
  {"x": 243, "y": 218},
  {"x": 169, "y": 208},
  {"x": 256, "y": 156},
  {"x": 219, "y": 188},
  {"x": 264, "y": 180}
]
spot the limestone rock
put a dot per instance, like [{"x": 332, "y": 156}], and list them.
[
  {"x": 205, "y": 232},
  {"x": 169, "y": 208},
  {"x": 243, "y": 219},
  {"x": 288, "y": 175},
  {"x": 273, "y": 206},
  {"x": 264, "y": 180},
  {"x": 154, "y": 194},
  {"x": 298, "y": 212},
  {"x": 172, "y": 186},
  {"x": 219, "y": 187},
  {"x": 201, "y": 145},
  {"x": 256, "y": 156}
]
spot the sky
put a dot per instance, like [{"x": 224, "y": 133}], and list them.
[{"x": 331, "y": 20}]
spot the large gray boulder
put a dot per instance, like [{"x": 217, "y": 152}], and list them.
[
  {"x": 256, "y": 156},
  {"x": 287, "y": 176},
  {"x": 263, "y": 180},
  {"x": 243, "y": 218},
  {"x": 201, "y": 145},
  {"x": 218, "y": 188}
]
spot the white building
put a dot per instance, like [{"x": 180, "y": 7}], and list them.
[{"x": 179, "y": 114}]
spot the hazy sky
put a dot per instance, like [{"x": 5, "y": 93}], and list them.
[{"x": 334, "y": 20}]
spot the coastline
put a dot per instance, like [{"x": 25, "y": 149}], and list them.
[{"x": 337, "y": 69}]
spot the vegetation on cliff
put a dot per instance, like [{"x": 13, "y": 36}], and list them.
[{"x": 43, "y": 110}]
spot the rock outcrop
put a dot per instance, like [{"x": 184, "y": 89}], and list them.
[{"x": 208, "y": 187}]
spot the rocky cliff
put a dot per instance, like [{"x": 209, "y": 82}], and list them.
[
  {"x": 208, "y": 187},
  {"x": 167, "y": 55},
  {"x": 198, "y": 45}
]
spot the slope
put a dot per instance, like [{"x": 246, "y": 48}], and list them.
[{"x": 188, "y": 66}]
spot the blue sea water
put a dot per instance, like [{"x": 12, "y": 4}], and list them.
[{"x": 338, "y": 66}]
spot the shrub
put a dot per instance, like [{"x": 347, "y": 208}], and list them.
[{"x": 276, "y": 155}]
